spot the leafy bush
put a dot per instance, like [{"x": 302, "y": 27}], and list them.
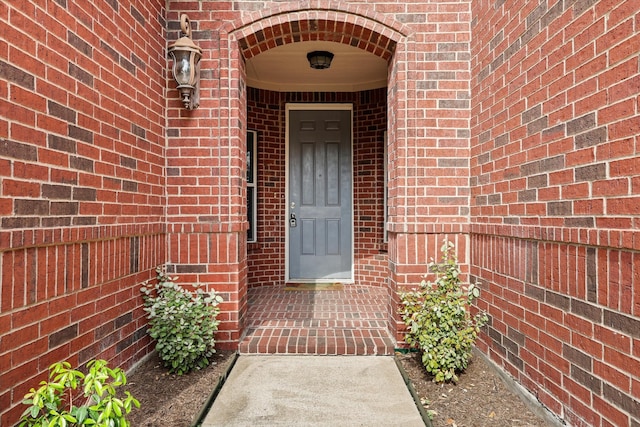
[
  {"x": 52, "y": 404},
  {"x": 182, "y": 322},
  {"x": 438, "y": 318}
]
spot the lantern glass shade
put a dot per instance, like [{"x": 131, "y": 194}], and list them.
[
  {"x": 182, "y": 69},
  {"x": 320, "y": 59},
  {"x": 184, "y": 66}
]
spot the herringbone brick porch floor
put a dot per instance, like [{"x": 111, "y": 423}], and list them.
[{"x": 352, "y": 321}]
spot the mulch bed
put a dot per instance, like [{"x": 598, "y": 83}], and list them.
[
  {"x": 173, "y": 400},
  {"x": 480, "y": 398}
]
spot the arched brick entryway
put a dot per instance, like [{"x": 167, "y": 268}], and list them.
[{"x": 318, "y": 21}]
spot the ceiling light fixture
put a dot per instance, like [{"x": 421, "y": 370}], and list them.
[{"x": 320, "y": 59}]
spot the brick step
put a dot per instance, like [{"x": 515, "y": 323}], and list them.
[
  {"x": 315, "y": 323},
  {"x": 317, "y": 341},
  {"x": 352, "y": 321}
]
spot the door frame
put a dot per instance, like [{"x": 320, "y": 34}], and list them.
[{"x": 310, "y": 107}]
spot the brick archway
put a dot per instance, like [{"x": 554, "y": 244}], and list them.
[
  {"x": 358, "y": 26},
  {"x": 316, "y": 29},
  {"x": 326, "y": 20}
]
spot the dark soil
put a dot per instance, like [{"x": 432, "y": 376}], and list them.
[
  {"x": 479, "y": 399},
  {"x": 173, "y": 400}
]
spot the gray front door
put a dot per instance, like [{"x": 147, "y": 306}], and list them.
[{"x": 320, "y": 195}]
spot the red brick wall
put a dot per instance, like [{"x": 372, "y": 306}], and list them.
[
  {"x": 96, "y": 174},
  {"x": 371, "y": 265},
  {"x": 81, "y": 183},
  {"x": 205, "y": 181},
  {"x": 427, "y": 45},
  {"x": 555, "y": 129},
  {"x": 266, "y": 114}
]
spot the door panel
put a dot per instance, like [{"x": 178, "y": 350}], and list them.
[
  {"x": 333, "y": 237},
  {"x": 333, "y": 175},
  {"x": 308, "y": 160},
  {"x": 308, "y": 236},
  {"x": 320, "y": 195}
]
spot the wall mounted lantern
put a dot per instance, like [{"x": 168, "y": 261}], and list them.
[
  {"x": 320, "y": 59},
  {"x": 186, "y": 65}
]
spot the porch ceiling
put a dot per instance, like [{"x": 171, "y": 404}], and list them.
[{"x": 285, "y": 68}]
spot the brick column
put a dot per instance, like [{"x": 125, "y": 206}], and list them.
[{"x": 206, "y": 183}]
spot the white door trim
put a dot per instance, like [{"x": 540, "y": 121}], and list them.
[{"x": 332, "y": 107}]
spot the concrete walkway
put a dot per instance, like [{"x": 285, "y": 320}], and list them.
[{"x": 314, "y": 391}]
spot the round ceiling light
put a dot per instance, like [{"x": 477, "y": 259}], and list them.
[{"x": 320, "y": 59}]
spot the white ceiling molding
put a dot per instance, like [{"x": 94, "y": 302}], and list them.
[{"x": 286, "y": 69}]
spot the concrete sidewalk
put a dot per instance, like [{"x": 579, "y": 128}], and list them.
[{"x": 314, "y": 391}]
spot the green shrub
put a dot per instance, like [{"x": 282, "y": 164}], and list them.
[
  {"x": 438, "y": 318},
  {"x": 182, "y": 322},
  {"x": 53, "y": 403}
]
